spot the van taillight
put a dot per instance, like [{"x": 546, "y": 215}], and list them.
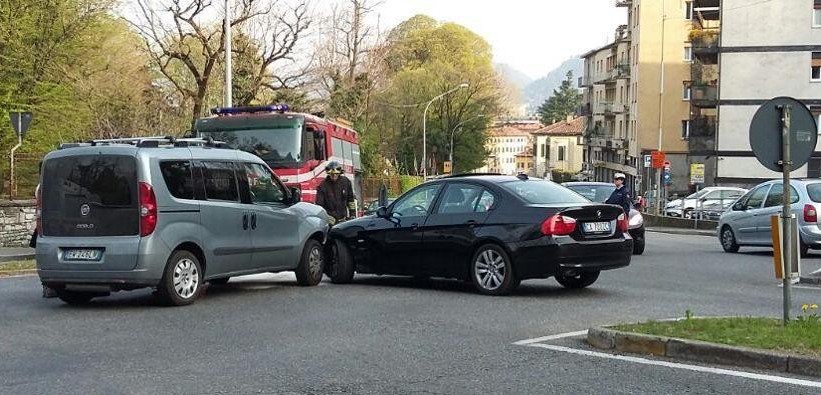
[
  {"x": 810, "y": 214},
  {"x": 38, "y": 211},
  {"x": 623, "y": 223},
  {"x": 558, "y": 225},
  {"x": 148, "y": 209}
]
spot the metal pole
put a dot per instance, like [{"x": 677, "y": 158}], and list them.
[
  {"x": 12, "y": 181},
  {"x": 786, "y": 213},
  {"x": 425, "y": 129},
  {"x": 229, "y": 84}
]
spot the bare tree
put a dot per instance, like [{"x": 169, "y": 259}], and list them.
[{"x": 184, "y": 31}]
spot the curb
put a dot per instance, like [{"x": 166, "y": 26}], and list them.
[
  {"x": 699, "y": 351},
  {"x": 19, "y": 257},
  {"x": 18, "y": 273},
  {"x": 686, "y": 232}
]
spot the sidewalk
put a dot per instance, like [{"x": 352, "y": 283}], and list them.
[
  {"x": 682, "y": 231},
  {"x": 10, "y": 254}
]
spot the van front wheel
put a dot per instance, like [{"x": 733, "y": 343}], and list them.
[
  {"x": 182, "y": 281},
  {"x": 311, "y": 264}
]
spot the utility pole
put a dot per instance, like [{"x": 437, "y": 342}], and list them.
[
  {"x": 661, "y": 108},
  {"x": 229, "y": 85}
]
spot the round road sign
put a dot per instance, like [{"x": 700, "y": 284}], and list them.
[{"x": 765, "y": 133}]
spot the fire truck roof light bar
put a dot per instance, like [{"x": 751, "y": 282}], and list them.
[{"x": 249, "y": 109}]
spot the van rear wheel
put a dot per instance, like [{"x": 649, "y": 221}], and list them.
[
  {"x": 182, "y": 281},
  {"x": 74, "y": 298}
]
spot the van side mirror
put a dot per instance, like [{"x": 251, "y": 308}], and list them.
[
  {"x": 296, "y": 196},
  {"x": 382, "y": 212},
  {"x": 738, "y": 207}
]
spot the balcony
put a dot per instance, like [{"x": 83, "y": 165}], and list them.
[
  {"x": 704, "y": 96},
  {"x": 619, "y": 71},
  {"x": 584, "y": 110},
  {"x": 624, "y": 3},
  {"x": 584, "y": 82},
  {"x": 705, "y": 43},
  {"x": 702, "y": 139}
]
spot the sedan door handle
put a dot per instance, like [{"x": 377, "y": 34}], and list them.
[
  {"x": 245, "y": 221},
  {"x": 472, "y": 223},
  {"x": 414, "y": 226}
]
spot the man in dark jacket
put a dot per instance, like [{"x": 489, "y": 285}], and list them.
[
  {"x": 621, "y": 196},
  {"x": 335, "y": 194}
]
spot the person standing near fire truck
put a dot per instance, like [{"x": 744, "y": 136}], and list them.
[{"x": 335, "y": 194}]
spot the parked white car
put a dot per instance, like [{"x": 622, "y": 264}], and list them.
[{"x": 684, "y": 207}]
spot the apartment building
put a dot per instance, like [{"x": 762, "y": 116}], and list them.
[
  {"x": 649, "y": 60},
  {"x": 746, "y": 53},
  {"x": 507, "y": 140},
  {"x": 559, "y": 147}
]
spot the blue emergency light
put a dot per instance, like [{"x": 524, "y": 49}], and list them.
[{"x": 249, "y": 109}]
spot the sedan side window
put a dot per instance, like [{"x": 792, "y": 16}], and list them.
[
  {"x": 460, "y": 199},
  {"x": 774, "y": 198},
  {"x": 416, "y": 203},
  {"x": 756, "y": 198},
  {"x": 485, "y": 202}
]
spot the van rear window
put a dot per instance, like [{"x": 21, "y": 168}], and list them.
[{"x": 90, "y": 195}]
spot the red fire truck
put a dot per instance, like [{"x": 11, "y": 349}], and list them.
[{"x": 296, "y": 146}]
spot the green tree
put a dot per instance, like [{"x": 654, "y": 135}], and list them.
[{"x": 564, "y": 101}]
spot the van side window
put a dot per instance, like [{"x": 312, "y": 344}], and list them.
[
  {"x": 220, "y": 181},
  {"x": 178, "y": 178},
  {"x": 262, "y": 186}
]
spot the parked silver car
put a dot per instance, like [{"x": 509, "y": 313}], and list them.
[
  {"x": 747, "y": 222},
  {"x": 685, "y": 207},
  {"x": 168, "y": 214}
]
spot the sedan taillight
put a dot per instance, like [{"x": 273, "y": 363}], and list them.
[
  {"x": 622, "y": 223},
  {"x": 558, "y": 225},
  {"x": 810, "y": 214}
]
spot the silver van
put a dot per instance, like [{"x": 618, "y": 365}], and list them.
[{"x": 168, "y": 214}]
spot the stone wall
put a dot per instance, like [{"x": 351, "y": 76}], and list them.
[{"x": 16, "y": 222}]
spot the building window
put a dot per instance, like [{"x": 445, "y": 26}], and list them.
[
  {"x": 688, "y": 10},
  {"x": 688, "y": 54},
  {"x": 685, "y": 130},
  {"x": 686, "y": 93},
  {"x": 815, "y": 69},
  {"x": 561, "y": 153},
  {"x": 816, "y": 14},
  {"x": 543, "y": 151}
]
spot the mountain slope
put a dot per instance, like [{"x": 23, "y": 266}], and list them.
[
  {"x": 540, "y": 90},
  {"x": 517, "y": 78}
]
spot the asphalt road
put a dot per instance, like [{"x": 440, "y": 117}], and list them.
[{"x": 264, "y": 334}]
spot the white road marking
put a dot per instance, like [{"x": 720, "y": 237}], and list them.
[
  {"x": 538, "y": 342},
  {"x": 542, "y": 339}
]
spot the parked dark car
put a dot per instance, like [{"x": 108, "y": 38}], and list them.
[
  {"x": 493, "y": 231},
  {"x": 599, "y": 192}
]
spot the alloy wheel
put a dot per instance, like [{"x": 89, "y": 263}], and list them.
[
  {"x": 186, "y": 278},
  {"x": 315, "y": 262},
  {"x": 490, "y": 270}
]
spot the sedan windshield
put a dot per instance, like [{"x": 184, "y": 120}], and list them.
[
  {"x": 595, "y": 193},
  {"x": 542, "y": 192}
]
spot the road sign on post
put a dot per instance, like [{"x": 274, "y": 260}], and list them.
[
  {"x": 448, "y": 168},
  {"x": 793, "y": 121},
  {"x": 657, "y": 159},
  {"x": 647, "y": 161},
  {"x": 20, "y": 121},
  {"x": 697, "y": 173}
]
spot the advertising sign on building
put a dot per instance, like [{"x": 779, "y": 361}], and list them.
[{"x": 697, "y": 173}]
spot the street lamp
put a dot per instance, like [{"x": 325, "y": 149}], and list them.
[
  {"x": 459, "y": 125},
  {"x": 229, "y": 85},
  {"x": 425, "y": 128}
]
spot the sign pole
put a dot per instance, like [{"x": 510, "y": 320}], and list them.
[
  {"x": 12, "y": 181},
  {"x": 786, "y": 213}
]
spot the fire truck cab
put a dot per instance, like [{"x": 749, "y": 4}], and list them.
[{"x": 296, "y": 146}]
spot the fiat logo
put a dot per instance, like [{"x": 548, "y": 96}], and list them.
[{"x": 84, "y": 210}]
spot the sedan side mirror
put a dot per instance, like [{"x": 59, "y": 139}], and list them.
[
  {"x": 382, "y": 212},
  {"x": 296, "y": 196}
]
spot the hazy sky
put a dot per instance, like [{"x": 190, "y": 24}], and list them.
[{"x": 534, "y": 36}]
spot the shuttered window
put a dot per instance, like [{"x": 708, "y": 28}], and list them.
[{"x": 815, "y": 67}]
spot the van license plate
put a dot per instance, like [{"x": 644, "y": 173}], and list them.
[
  {"x": 82, "y": 255},
  {"x": 597, "y": 227}
]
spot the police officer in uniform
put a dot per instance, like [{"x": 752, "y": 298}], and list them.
[
  {"x": 621, "y": 196},
  {"x": 335, "y": 194}
]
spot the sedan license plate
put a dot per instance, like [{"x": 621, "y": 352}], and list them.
[
  {"x": 596, "y": 227},
  {"x": 87, "y": 255}
]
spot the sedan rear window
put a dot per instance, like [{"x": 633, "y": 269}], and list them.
[
  {"x": 542, "y": 192},
  {"x": 814, "y": 190}
]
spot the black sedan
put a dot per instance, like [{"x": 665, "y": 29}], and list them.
[
  {"x": 599, "y": 192},
  {"x": 493, "y": 231}
]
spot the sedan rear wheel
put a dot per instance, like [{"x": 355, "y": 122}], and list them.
[
  {"x": 492, "y": 271},
  {"x": 728, "y": 242},
  {"x": 580, "y": 280}
]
